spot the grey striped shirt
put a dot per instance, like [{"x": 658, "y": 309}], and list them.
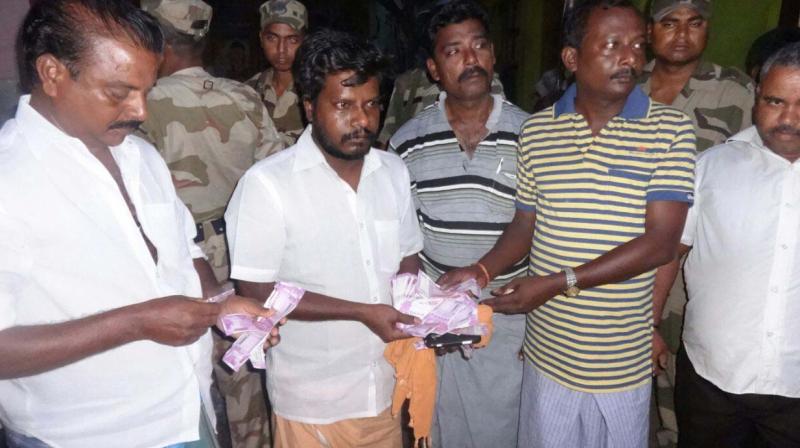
[{"x": 463, "y": 204}]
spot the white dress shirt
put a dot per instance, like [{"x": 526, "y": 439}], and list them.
[
  {"x": 70, "y": 248},
  {"x": 293, "y": 219},
  {"x": 742, "y": 328}
]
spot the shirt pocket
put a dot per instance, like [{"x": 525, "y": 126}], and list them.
[{"x": 387, "y": 235}]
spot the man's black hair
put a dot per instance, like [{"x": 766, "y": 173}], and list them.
[
  {"x": 788, "y": 56},
  {"x": 326, "y": 52},
  {"x": 767, "y": 44},
  {"x": 456, "y": 11},
  {"x": 578, "y": 18},
  {"x": 67, "y": 29}
]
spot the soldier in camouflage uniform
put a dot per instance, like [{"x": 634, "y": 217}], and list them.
[
  {"x": 283, "y": 26},
  {"x": 210, "y": 131},
  {"x": 720, "y": 101},
  {"x": 414, "y": 91}
]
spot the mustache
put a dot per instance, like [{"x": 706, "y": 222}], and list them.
[
  {"x": 785, "y": 129},
  {"x": 625, "y": 73},
  {"x": 360, "y": 134},
  {"x": 128, "y": 124},
  {"x": 474, "y": 70}
]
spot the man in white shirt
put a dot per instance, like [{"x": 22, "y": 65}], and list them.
[
  {"x": 738, "y": 374},
  {"x": 101, "y": 340},
  {"x": 336, "y": 217}
]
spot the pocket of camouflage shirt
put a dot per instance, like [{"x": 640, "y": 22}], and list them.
[{"x": 387, "y": 233}]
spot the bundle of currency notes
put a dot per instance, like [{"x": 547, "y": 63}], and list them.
[
  {"x": 254, "y": 332},
  {"x": 441, "y": 311}
]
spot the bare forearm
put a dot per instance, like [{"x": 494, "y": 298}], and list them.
[
  {"x": 208, "y": 280},
  {"x": 665, "y": 278},
  {"x": 656, "y": 247},
  {"x": 410, "y": 265},
  {"x": 29, "y": 350},
  {"x": 513, "y": 244},
  {"x": 313, "y": 306}
]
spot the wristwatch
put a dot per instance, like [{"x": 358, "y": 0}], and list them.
[{"x": 572, "y": 290}]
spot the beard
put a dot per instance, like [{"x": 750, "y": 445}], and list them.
[{"x": 325, "y": 141}]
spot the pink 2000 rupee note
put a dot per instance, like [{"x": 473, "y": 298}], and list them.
[
  {"x": 440, "y": 310},
  {"x": 254, "y": 332}
]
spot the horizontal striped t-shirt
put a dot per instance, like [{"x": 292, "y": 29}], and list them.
[
  {"x": 590, "y": 195},
  {"x": 463, "y": 204}
]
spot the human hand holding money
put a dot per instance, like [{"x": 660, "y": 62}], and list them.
[{"x": 255, "y": 331}]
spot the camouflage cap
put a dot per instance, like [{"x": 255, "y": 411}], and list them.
[
  {"x": 192, "y": 17},
  {"x": 660, "y": 8},
  {"x": 290, "y": 12}
]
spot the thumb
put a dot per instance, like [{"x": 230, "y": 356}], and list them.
[
  {"x": 407, "y": 319},
  {"x": 255, "y": 309},
  {"x": 508, "y": 288}
]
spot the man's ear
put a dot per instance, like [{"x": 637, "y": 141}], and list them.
[
  {"x": 432, "y": 69},
  {"x": 569, "y": 56},
  {"x": 52, "y": 73},
  {"x": 308, "y": 106}
]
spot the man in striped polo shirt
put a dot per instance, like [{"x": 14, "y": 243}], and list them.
[
  {"x": 461, "y": 153},
  {"x": 604, "y": 182}
]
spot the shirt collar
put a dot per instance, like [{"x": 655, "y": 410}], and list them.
[
  {"x": 750, "y": 136},
  {"x": 309, "y": 155},
  {"x": 192, "y": 71},
  {"x": 41, "y": 133},
  {"x": 494, "y": 115},
  {"x": 637, "y": 106},
  {"x": 44, "y": 135}
]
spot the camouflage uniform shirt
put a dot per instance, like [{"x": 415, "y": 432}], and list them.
[
  {"x": 413, "y": 91},
  {"x": 286, "y": 111},
  {"x": 210, "y": 131},
  {"x": 719, "y": 100}
]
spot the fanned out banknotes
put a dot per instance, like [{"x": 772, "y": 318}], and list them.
[
  {"x": 441, "y": 311},
  {"x": 254, "y": 332}
]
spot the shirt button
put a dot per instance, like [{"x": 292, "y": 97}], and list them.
[
  {"x": 374, "y": 300},
  {"x": 774, "y": 289},
  {"x": 361, "y": 224},
  {"x": 770, "y": 334},
  {"x": 369, "y": 263},
  {"x": 784, "y": 246}
]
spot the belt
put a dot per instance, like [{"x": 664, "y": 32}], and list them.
[{"x": 215, "y": 225}]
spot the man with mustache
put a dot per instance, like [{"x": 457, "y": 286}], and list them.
[
  {"x": 210, "y": 131},
  {"x": 335, "y": 216},
  {"x": 604, "y": 181},
  {"x": 461, "y": 153},
  {"x": 738, "y": 380},
  {"x": 103, "y": 336},
  {"x": 719, "y": 100},
  {"x": 284, "y": 24}
]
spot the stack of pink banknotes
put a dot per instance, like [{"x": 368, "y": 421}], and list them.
[
  {"x": 441, "y": 311},
  {"x": 253, "y": 333}
]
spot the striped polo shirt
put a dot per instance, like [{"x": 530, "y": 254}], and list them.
[
  {"x": 463, "y": 204},
  {"x": 590, "y": 194}
]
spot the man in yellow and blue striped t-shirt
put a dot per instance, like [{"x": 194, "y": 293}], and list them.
[{"x": 604, "y": 181}]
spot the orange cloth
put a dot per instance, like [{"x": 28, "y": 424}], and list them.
[{"x": 415, "y": 373}]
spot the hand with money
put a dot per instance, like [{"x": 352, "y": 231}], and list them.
[
  {"x": 174, "y": 320},
  {"x": 255, "y": 331}
]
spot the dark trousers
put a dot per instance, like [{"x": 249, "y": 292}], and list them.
[{"x": 710, "y": 417}]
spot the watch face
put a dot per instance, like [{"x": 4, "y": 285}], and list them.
[{"x": 572, "y": 291}]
